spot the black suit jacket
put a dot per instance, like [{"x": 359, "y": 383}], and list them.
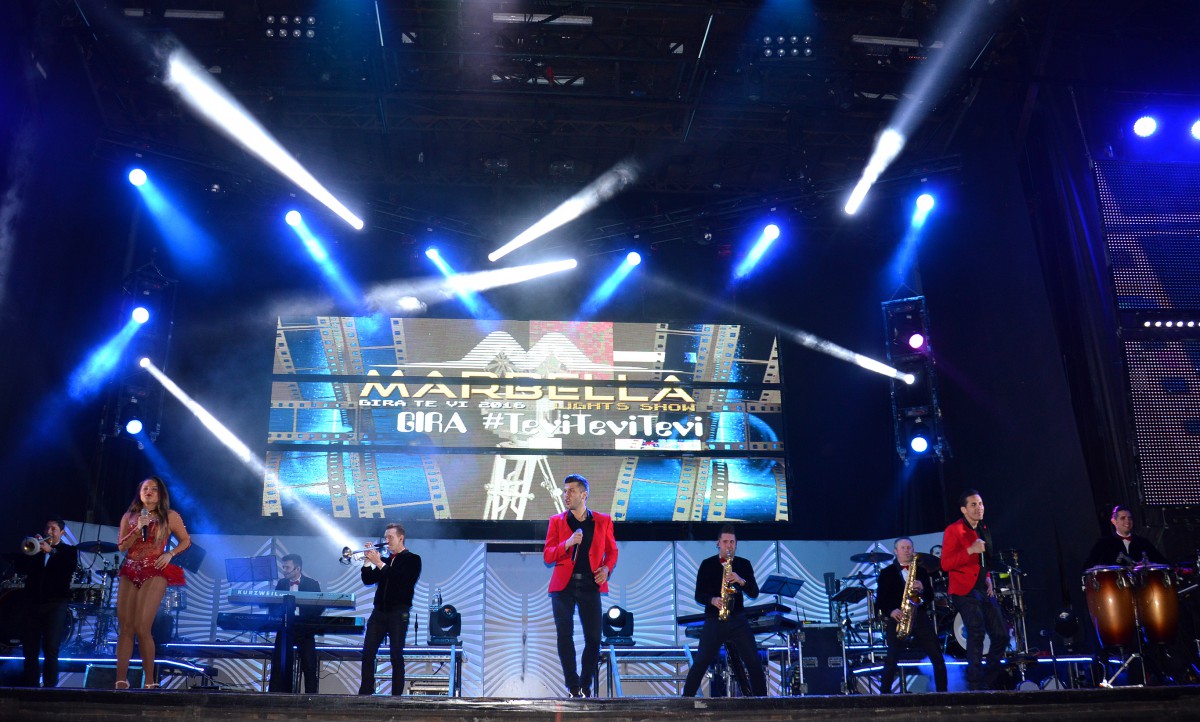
[
  {"x": 307, "y": 584},
  {"x": 397, "y": 580},
  {"x": 708, "y": 583},
  {"x": 891, "y": 586},
  {"x": 1106, "y": 551},
  {"x": 49, "y": 581}
]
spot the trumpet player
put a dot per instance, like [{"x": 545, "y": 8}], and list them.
[
  {"x": 721, "y": 582},
  {"x": 48, "y": 565},
  {"x": 893, "y": 580},
  {"x": 396, "y": 580}
]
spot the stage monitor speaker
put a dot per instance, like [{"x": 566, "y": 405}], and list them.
[{"x": 104, "y": 676}]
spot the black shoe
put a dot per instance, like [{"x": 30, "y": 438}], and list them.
[
  {"x": 575, "y": 693},
  {"x": 585, "y": 692}
]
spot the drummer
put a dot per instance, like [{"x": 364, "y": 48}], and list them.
[{"x": 1123, "y": 547}]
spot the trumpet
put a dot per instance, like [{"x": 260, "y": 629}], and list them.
[
  {"x": 348, "y": 554},
  {"x": 31, "y": 545}
]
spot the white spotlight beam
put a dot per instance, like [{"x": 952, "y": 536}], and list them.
[
  {"x": 804, "y": 338},
  {"x": 389, "y": 296},
  {"x": 243, "y": 453},
  {"x": 194, "y": 85},
  {"x": 923, "y": 92},
  {"x": 598, "y": 191}
]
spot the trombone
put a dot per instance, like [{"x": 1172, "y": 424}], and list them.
[{"x": 348, "y": 554}]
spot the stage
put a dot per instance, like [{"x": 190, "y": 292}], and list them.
[{"x": 1111, "y": 704}]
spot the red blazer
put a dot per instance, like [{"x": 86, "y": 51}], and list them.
[
  {"x": 603, "y": 552},
  {"x": 962, "y": 567}
]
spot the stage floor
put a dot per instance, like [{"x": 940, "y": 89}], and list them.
[{"x": 86, "y": 705}]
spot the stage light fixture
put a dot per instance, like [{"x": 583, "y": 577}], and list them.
[
  {"x": 432, "y": 253},
  {"x": 445, "y": 626},
  {"x": 924, "y": 203},
  {"x": 633, "y": 258},
  {"x": 137, "y": 177},
  {"x": 140, "y": 315},
  {"x": 618, "y": 627},
  {"x": 919, "y": 443},
  {"x": 1145, "y": 126},
  {"x": 133, "y": 427},
  {"x": 144, "y": 362},
  {"x": 916, "y": 341},
  {"x": 1196, "y": 130},
  {"x": 292, "y": 218}
]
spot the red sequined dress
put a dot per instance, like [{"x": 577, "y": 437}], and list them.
[{"x": 139, "y": 561}]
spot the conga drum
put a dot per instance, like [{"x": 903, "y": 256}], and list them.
[
  {"x": 1109, "y": 592},
  {"x": 1157, "y": 602}
]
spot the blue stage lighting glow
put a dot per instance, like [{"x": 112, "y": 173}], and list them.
[
  {"x": 765, "y": 239},
  {"x": 89, "y": 376},
  {"x": 191, "y": 245},
  {"x": 1145, "y": 126},
  {"x": 602, "y": 293},
  {"x": 134, "y": 427},
  {"x": 633, "y": 258},
  {"x": 1196, "y": 130},
  {"x": 140, "y": 314},
  {"x": 137, "y": 177},
  {"x": 432, "y": 253},
  {"x": 347, "y": 292},
  {"x": 919, "y": 444},
  {"x": 292, "y": 218},
  {"x": 924, "y": 203}
]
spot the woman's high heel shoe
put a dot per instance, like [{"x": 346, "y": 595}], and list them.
[
  {"x": 122, "y": 684},
  {"x": 152, "y": 685}
]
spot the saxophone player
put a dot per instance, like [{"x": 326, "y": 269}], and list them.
[
  {"x": 900, "y": 576},
  {"x": 721, "y": 582}
]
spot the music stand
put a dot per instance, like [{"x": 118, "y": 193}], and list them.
[
  {"x": 251, "y": 570},
  {"x": 781, "y": 586}
]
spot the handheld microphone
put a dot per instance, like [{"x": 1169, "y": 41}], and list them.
[{"x": 145, "y": 529}]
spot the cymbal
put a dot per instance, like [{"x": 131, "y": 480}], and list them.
[
  {"x": 930, "y": 563},
  {"x": 97, "y": 547},
  {"x": 871, "y": 558},
  {"x": 861, "y": 577}
]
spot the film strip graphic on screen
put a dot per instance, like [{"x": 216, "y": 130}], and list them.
[
  {"x": 467, "y": 420},
  {"x": 1151, "y": 215}
]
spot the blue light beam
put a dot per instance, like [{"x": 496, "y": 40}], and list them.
[
  {"x": 345, "y": 289},
  {"x": 604, "y": 292},
  {"x": 188, "y": 242},
  {"x": 89, "y": 376},
  {"x": 764, "y": 241}
]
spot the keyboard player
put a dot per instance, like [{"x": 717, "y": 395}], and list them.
[{"x": 305, "y": 642}]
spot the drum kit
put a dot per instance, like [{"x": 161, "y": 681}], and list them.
[{"x": 947, "y": 621}]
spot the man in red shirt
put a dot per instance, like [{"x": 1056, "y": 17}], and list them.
[
  {"x": 966, "y": 545},
  {"x": 581, "y": 546}
]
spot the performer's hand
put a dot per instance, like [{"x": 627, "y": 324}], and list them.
[
  {"x": 991, "y": 589},
  {"x": 163, "y": 560},
  {"x": 717, "y": 602},
  {"x": 978, "y": 547},
  {"x": 601, "y": 575},
  {"x": 45, "y": 545},
  {"x": 731, "y": 577},
  {"x": 918, "y": 587},
  {"x": 373, "y": 558},
  {"x": 576, "y": 538},
  {"x": 896, "y": 614}
]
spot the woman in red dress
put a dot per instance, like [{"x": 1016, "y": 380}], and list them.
[{"x": 146, "y": 573}]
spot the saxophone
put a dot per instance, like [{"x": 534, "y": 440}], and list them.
[
  {"x": 910, "y": 601},
  {"x": 728, "y": 591}
]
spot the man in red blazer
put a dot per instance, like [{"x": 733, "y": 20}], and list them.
[
  {"x": 581, "y": 546},
  {"x": 966, "y": 545}
]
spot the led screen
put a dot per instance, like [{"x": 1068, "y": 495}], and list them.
[{"x": 462, "y": 419}]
